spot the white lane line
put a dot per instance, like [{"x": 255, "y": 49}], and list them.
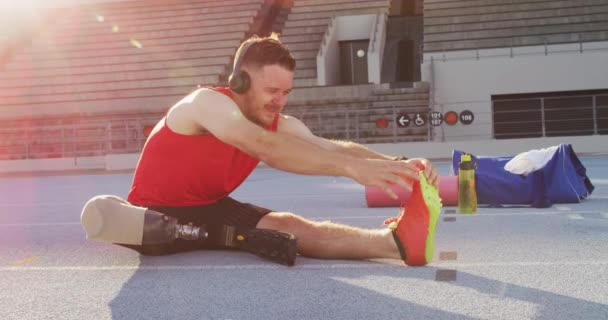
[
  {"x": 599, "y": 181},
  {"x": 502, "y": 213},
  {"x": 47, "y": 224},
  {"x": 523, "y": 264},
  {"x": 575, "y": 216},
  {"x": 289, "y": 196},
  {"x": 275, "y": 196},
  {"x": 539, "y": 212},
  {"x": 193, "y": 267},
  {"x": 308, "y": 266},
  {"x": 383, "y": 217},
  {"x": 41, "y": 204},
  {"x": 563, "y": 208},
  {"x": 358, "y": 217}
]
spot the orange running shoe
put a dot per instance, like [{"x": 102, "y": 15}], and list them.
[{"x": 414, "y": 229}]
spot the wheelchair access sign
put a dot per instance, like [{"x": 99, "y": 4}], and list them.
[
  {"x": 404, "y": 120},
  {"x": 435, "y": 118}
]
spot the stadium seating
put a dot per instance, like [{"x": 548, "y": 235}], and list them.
[
  {"x": 128, "y": 50},
  {"x": 127, "y": 61},
  {"x": 476, "y": 24},
  {"x": 99, "y": 76}
]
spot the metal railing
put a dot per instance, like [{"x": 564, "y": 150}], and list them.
[
  {"x": 364, "y": 124},
  {"x": 550, "y": 116},
  {"x": 525, "y": 117},
  {"x": 68, "y": 139},
  {"x": 546, "y": 47}
]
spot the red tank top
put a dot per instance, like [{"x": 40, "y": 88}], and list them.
[{"x": 187, "y": 170}]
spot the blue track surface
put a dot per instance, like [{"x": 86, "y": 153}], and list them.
[{"x": 510, "y": 263}]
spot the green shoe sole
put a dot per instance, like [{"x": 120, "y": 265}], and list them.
[{"x": 430, "y": 193}]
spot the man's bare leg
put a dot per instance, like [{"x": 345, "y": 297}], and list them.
[{"x": 333, "y": 241}]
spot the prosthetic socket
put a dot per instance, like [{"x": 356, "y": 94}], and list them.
[{"x": 111, "y": 219}]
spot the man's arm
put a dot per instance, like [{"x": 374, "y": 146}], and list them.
[
  {"x": 360, "y": 151},
  {"x": 295, "y": 127},
  {"x": 220, "y": 116}
]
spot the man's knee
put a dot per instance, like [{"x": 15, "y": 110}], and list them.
[{"x": 282, "y": 221}]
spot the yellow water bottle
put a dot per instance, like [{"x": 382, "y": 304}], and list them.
[{"x": 467, "y": 195}]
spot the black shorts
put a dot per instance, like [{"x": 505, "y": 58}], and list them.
[{"x": 224, "y": 212}]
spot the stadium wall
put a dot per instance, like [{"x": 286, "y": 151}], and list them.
[{"x": 466, "y": 80}]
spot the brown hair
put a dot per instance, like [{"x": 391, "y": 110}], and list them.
[{"x": 266, "y": 51}]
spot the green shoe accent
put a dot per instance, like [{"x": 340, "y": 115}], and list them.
[
  {"x": 434, "y": 205},
  {"x": 399, "y": 245},
  {"x": 393, "y": 225}
]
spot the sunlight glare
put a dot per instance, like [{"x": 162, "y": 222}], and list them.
[{"x": 136, "y": 43}]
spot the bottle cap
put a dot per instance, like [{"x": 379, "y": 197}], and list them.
[{"x": 465, "y": 157}]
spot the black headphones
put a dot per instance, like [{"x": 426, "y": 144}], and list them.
[{"x": 239, "y": 80}]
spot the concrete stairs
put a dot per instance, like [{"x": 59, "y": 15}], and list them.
[
  {"x": 307, "y": 22},
  {"x": 478, "y": 24}
]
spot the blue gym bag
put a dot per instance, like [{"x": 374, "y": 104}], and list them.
[{"x": 562, "y": 180}]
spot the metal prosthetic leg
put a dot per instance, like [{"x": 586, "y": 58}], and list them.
[
  {"x": 111, "y": 219},
  {"x": 280, "y": 247}
]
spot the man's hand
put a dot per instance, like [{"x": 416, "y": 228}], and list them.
[
  {"x": 383, "y": 174},
  {"x": 430, "y": 172}
]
